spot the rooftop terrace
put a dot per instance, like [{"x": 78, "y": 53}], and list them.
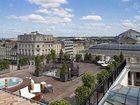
[{"x": 10, "y": 99}]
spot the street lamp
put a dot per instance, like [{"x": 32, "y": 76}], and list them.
[{"x": 18, "y": 65}]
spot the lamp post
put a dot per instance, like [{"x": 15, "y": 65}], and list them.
[{"x": 18, "y": 65}]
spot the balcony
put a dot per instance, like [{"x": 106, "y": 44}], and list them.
[{"x": 97, "y": 97}]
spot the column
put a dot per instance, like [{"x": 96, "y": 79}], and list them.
[{"x": 132, "y": 78}]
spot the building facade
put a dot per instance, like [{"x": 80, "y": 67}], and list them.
[
  {"x": 77, "y": 48},
  {"x": 34, "y": 44},
  {"x": 8, "y": 50},
  {"x": 67, "y": 47}
]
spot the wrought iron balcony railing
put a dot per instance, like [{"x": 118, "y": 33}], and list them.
[{"x": 98, "y": 93}]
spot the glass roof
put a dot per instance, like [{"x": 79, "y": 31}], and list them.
[
  {"x": 121, "y": 95},
  {"x": 106, "y": 46}
]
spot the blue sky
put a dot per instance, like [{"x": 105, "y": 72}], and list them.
[{"x": 68, "y": 17}]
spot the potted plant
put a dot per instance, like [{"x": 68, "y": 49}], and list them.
[
  {"x": 101, "y": 77},
  {"x": 38, "y": 65},
  {"x": 64, "y": 73}
]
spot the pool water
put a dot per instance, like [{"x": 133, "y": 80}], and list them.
[{"x": 12, "y": 81}]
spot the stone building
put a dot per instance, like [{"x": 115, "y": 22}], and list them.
[{"x": 34, "y": 44}]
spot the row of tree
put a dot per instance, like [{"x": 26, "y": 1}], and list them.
[
  {"x": 62, "y": 56},
  {"x": 106, "y": 72},
  {"x": 87, "y": 58},
  {"x": 39, "y": 65},
  {"x": 83, "y": 91},
  {"x": 89, "y": 79}
]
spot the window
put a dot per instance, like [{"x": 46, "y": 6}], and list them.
[
  {"x": 138, "y": 60},
  {"x": 137, "y": 75},
  {"x": 37, "y": 45}
]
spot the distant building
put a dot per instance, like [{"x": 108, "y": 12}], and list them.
[
  {"x": 57, "y": 47},
  {"x": 34, "y": 44},
  {"x": 129, "y": 45},
  {"x": 129, "y": 37},
  {"x": 130, "y": 49},
  {"x": 77, "y": 48},
  {"x": 8, "y": 49},
  {"x": 67, "y": 47}
]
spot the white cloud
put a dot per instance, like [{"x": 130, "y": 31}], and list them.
[
  {"x": 42, "y": 11},
  {"x": 50, "y": 12},
  {"x": 137, "y": 18},
  {"x": 40, "y": 19},
  {"x": 48, "y": 3},
  {"x": 92, "y": 18},
  {"x": 62, "y": 12},
  {"x": 31, "y": 17},
  {"x": 128, "y": 24}
]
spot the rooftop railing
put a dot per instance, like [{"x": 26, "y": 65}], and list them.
[{"x": 98, "y": 93}]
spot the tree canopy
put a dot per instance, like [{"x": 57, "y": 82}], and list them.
[
  {"x": 66, "y": 57},
  {"x": 61, "y": 54},
  {"x": 23, "y": 60},
  {"x": 4, "y": 64},
  {"x": 81, "y": 93},
  {"x": 53, "y": 55},
  {"x": 102, "y": 75},
  {"x": 98, "y": 57},
  {"x": 89, "y": 80},
  {"x": 78, "y": 57},
  {"x": 64, "y": 70},
  {"x": 38, "y": 65},
  {"x": 88, "y": 57}
]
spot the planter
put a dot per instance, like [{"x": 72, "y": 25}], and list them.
[
  {"x": 37, "y": 73},
  {"x": 64, "y": 78}
]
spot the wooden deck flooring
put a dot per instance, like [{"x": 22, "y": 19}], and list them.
[{"x": 10, "y": 99}]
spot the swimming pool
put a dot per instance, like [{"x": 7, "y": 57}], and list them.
[{"x": 12, "y": 81}]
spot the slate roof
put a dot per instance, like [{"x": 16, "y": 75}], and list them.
[{"x": 130, "y": 34}]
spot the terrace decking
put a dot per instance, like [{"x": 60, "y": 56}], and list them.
[
  {"x": 10, "y": 99},
  {"x": 60, "y": 89}
]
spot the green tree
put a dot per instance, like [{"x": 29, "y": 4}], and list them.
[
  {"x": 98, "y": 57},
  {"x": 49, "y": 57},
  {"x": 53, "y": 55},
  {"x": 81, "y": 93},
  {"x": 60, "y": 102},
  {"x": 4, "y": 64},
  {"x": 64, "y": 70},
  {"x": 116, "y": 58},
  {"x": 86, "y": 57},
  {"x": 90, "y": 57},
  {"x": 102, "y": 75},
  {"x": 66, "y": 57},
  {"x": 110, "y": 68},
  {"x": 115, "y": 64},
  {"x": 121, "y": 57},
  {"x": 42, "y": 57},
  {"x": 23, "y": 60},
  {"x": 89, "y": 80},
  {"x": 38, "y": 65},
  {"x": 61, "y": 55},
  {"x": 78, "y": 57}
]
